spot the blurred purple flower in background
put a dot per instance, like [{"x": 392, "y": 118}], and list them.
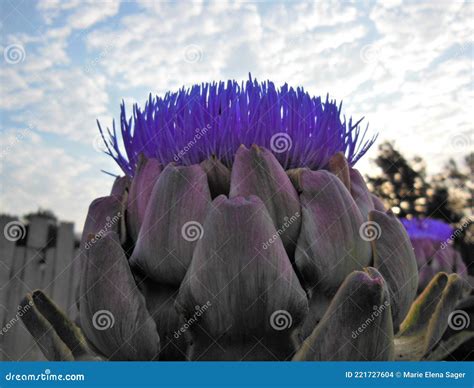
[
  {"x": 432, "y": 243},
  {"x": 434, "y": 230}
]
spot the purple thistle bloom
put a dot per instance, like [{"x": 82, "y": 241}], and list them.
[
  {"x": 427, "y": 229},
  {"x": 191, "y": 125}
]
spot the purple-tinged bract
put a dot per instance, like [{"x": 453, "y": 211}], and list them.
[{"x": 191, "y": 125}]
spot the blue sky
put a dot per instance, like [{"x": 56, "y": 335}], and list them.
[{"x": 405, "y": 66}]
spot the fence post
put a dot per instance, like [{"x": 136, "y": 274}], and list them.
[
  {"x": 64, "y": 256},
  {"x": 7, "y": 251},
  {"x": 15, "y": 333},
  {"x": 43, "y": 260}
]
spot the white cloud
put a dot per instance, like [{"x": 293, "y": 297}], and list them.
[
  {"x": 403, "y": 65},
  {"x": 61, "y": 101},
  {"x": 36, "y": 174},
  {"x": 82, "y": 14}
]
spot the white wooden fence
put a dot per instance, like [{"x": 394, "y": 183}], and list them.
[{"x": 39, "y": 253}]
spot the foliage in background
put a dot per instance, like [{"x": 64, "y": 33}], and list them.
[
  {"x": 408, "y": 191},
  {"x": 45, "y": 213}
]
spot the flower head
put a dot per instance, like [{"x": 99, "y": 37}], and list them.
[
  {"x": 431, "y": 229},
  {"x": 434, "y": 252},
  {"x": 258, "y": 215},
  {"x": 214, "y": 119}
]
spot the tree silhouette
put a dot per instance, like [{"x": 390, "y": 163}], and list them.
[
  {"x": 401, "y": 185},
  {"x": 408, "y": 191}
]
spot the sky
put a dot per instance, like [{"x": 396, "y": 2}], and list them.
[{"x": 407, "y": 67}]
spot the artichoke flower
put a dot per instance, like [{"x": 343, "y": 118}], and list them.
[
  {"x": 434, "y": 252},
  {"x": 243, "y": 232}
]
